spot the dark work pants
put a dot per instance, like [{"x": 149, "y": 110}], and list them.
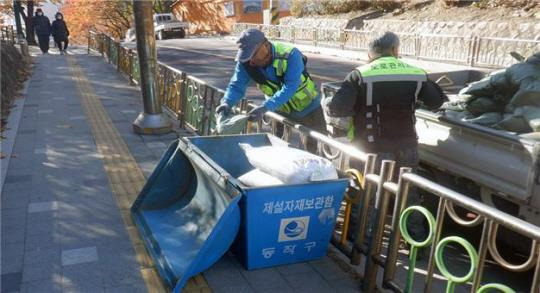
[
  {"x": 43, "y": 41},
  {"x": 59, "y": 43}
]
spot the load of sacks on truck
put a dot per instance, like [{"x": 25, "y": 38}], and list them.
[{"x": 507, "y": 99}]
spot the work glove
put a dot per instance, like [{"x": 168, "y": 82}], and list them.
[
  {"x": 223, "y": 109},
  {"x": 257, "y": 113}
]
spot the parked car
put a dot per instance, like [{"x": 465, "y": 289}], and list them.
[{"x": 165, "y": 26}]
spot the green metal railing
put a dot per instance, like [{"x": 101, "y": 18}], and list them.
[
  {"x": 381, "y": 253},
  {"x": 8, "y": 34},
  {"x": 467, "y": 50},
  {"x": 186, "y": 98},
  {"x": 192, "y": 102}
]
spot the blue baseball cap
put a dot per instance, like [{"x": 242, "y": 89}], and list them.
[{"x": 247, "y": 44}]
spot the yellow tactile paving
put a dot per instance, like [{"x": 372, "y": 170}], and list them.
[{"x": 125, "y": 177}]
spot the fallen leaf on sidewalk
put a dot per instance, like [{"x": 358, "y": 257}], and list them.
[{"x": 64, "y": 126}]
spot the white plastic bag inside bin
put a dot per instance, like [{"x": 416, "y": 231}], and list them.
[
  {"x": 291, "y": 166},
  {"x": 257, "y": 178}
]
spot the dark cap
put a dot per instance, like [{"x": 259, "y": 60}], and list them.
[
  {"x": 39, "y": 10},
  {"x": 247, "y": 43}
]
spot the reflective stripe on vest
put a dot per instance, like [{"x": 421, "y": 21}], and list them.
[
  {"x": 386, "y": 69},
  {"x": 306, "y": 92},
  {"x": 389, "y": 69}
]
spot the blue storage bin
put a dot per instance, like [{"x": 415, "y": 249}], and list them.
[{"x": 193, "y": 207}]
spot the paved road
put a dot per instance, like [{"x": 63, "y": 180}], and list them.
[{"x": 212, "y": 60}]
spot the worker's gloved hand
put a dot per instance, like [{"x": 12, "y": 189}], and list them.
[
  {"x": 257, "y": 113},
  {"x": 223, "y": 109}
]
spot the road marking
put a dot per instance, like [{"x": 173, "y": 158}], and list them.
[
  {"x": 230, "y": 57},
  {"x": 125, "y": 177}
]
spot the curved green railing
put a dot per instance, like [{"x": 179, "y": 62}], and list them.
[
  {"x": 415, "y": 245},
  {"x": 453, "y": 280},
  {"x": 489, "y": 288},
  {"x": 135, "y": 68}
]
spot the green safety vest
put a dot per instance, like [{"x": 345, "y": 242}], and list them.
[
  {"x": 306, "y": 92},
  {"x": 386, "y": 69}
]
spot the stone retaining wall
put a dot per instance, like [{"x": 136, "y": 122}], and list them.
[
  {"x": 315, "y": 22},
  {"x": 503, "y": 29}
]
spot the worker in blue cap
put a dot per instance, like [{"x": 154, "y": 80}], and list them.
[{"x": 279, "y": 70}]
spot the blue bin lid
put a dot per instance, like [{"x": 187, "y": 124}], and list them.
[{"x": 187, "y": 214}]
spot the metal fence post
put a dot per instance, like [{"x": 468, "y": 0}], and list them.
[
  {"x": 393, "y": 243},
  {"x": 101, "y": 45},
  {"x": 182, "y": 97},
  {"x": 377, "y": 230},
  {"x": 109, "y": 48},
  {"x": 130, "y": 73},
  {"x": 341, "y": 39},
  {"x": 118, "y": 56},
  {"x": 417, "y": 45},
  {"x": 293, "y": 34},
  {"x": 362, "y": 215},
  {"x": 441, "y": 211},
  {"x": 474, "y": 45},
  {"x": 482, "y": 252},
  {"x": 315, "y": 37}
]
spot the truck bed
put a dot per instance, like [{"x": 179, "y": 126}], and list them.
[
  {"x": 501, "y": 161},
  {"x": 496, "y": 159}
]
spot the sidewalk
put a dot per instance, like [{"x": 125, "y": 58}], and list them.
[{"x": 75, "y": 169}]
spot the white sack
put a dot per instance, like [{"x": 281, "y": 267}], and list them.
[
  {"x": 290, "y": 165},
  {"x": 256, "y": 178}
]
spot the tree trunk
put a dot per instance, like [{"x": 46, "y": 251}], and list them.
[
  {"x": 29, "y": 22},
  {"x": 17, "y": 10}
]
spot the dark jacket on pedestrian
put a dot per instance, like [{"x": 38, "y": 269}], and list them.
[
  {"x": 59, "y": 28},
  {"x": 42, "y": 25},
  {"x": 382, "y": 103}
]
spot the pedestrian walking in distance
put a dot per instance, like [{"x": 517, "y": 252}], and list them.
[
  {"x": 42, "y": 27},
  {"x": 60, "y": 32}
]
